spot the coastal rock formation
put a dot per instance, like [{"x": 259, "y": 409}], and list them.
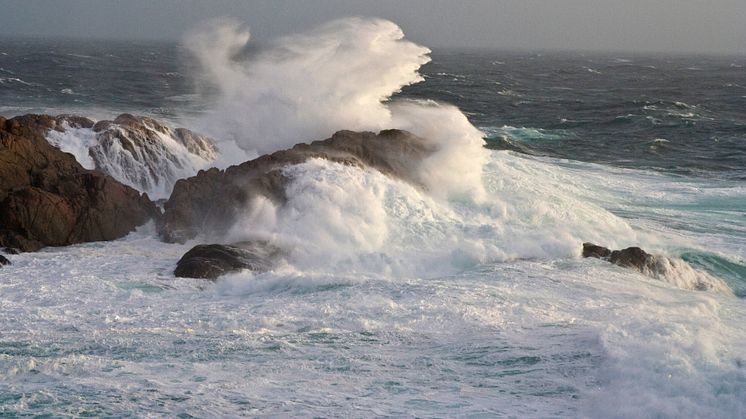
[
  {"x": 210, "y": 261},
  {"x": 48, "y": 199},
  {"x": 675, "y": 271},
  {"x": 592, "y": 250},
  {"x": 212, "y": 200},
  {"x": 138, "y": 151},
  {"x": 631, "y": 257}
]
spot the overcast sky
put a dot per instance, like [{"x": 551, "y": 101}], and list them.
[{"x": 716, "y": 26}]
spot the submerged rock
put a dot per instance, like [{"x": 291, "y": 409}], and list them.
[
  {"x": 211, "y": 201},
  {"x": 210, "y": 261},
  {"x": 674, "y": 271},
  {"x": 592, "y": 250},
  {"x": 4, "y": 261},
  {"x": 48, "y": 199},
  {"x": 631, "y": 257}
]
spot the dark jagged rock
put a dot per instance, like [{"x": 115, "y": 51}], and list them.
[
  {"x": 48, "y": 199},
  {"x": 591, "y": 250},
  {"x": 631, "y": 257},
  {"x": 672, "y": 270},
  {"x": 135, "y": 132},
  {"x": 212, "y": 200},
  {"x": 209, "y": 261},
  {"x": 4, "y": 261},
  {"x": 73, "y": 121}
]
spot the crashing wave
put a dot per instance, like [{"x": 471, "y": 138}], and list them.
[{"x": 138, "y": 151}]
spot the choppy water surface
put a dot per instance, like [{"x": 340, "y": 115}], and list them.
[{"x": 454, "y": 308}]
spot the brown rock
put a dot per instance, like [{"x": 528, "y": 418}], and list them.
[
  {"x": 211, "y": 201},
  {"x": 209, "y": 261},
  {"x": 146, "y": 163},
  {"x": 592, "y": 250},
  {"x": 48, "y": 199},
  {"x": 631, "y": 257}
]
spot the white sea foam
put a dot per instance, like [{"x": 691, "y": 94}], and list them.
[
  {"x": 543, "y": 337},
  {"x": 76, "y": 141},
  {"x": 148, "y": 166},
  {"x": 305, "y": 86},
  {"x": 338, "y": 76},
  {"x": 9, "y": 80},
  {"x": 151, "y": 165}
]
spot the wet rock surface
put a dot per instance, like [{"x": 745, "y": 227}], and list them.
[
  {"x": 209, "y": 261},
  {"x": 671, "y": 270},
  {"x": 631, "y": 257},
  {"x": 211, "y": 201},
  {"x": 48, "y": 199}
]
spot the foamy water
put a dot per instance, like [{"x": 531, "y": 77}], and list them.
[
  {"x": 378, "y": 329},
  {"x": 463, "y": 295}
]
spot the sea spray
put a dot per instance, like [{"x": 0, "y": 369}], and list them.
[
  {"x": 140, "y": 152},
  {"x": 340, "y": 75},
  {"x": 306, "y": 86}
]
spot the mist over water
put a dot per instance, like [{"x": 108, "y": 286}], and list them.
[
  {"x": 341, "y": 75},
  {"x": 304, "y": 86}
]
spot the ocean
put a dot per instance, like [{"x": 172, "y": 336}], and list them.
[{"x": 467, "y": 297}]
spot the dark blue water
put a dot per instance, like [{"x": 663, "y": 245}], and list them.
[{"x": 678, "y": 114}]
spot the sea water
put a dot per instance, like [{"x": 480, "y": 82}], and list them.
[{"x": 465, "y": 297}]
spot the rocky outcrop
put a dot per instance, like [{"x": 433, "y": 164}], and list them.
[
  {"x": 592, "y": 250},
  {"x": 631, "y": 257},
  {"x": 48, "y": 199},
  {"x": 209, "y": 261},
  {"x": 139, "y": 151},
  {"x": 671, "y": 270},
  {"x": 212, "y": 200}
]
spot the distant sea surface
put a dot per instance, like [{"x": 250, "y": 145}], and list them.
[{"x": 677, "y": 114}]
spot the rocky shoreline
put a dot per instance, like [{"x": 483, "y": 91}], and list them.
[{"x": 48, "y": 199}]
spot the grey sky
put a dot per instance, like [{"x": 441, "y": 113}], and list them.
[{"x": 716, "y": 26}]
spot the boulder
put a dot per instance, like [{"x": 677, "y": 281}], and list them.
[
  {"x": 211, "y": 201},
  {"x": 592, "y": 250},
  {"x": 672, "y": 270},
  {"x": 631, "y": 257},
  {"x": 209, "y": 261},
  {"x": 4, "y": 261},
  {"x": 48, "y": 199}
]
